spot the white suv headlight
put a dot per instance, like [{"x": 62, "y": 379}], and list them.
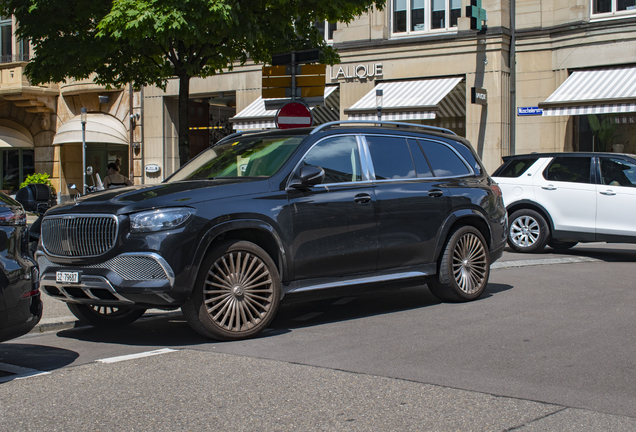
[{"x": 159, "y": 220}]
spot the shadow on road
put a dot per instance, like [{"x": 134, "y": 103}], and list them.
[
  {"x": 35, "y": 356},
  {"x": 600, "y": 251},
  {"x": 172, "y": 330}
]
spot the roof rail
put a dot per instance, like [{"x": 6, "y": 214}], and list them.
[{"x": 380, "y": 123}]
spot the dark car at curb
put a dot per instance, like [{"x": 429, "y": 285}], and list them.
[
  {"x": 20, "y": 303},
  {"x": 262, "y": 215}
]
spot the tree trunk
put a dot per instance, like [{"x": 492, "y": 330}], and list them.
[{"x": 184, "y": 119}]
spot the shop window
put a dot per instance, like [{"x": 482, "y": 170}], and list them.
[
  {"x": 17, "y": 165},
  {"x": 412, "y": 17},
  {"x": 611, "y": 8},
  {"x": 326, "y": 29}
]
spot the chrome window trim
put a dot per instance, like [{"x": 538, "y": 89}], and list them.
[{"x": 83, "y": 215}]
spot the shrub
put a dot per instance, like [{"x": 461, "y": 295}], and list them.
[{"x": 42, "y": 178}]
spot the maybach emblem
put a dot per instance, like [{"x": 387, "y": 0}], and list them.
[{"x": 360, "y": 71}]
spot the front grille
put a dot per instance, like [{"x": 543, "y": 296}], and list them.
[{"x": 79, "y": 235}]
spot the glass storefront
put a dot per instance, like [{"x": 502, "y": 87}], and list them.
[
  {"x": 99, "y": 156},
  {"x": 17, "y": 165}
]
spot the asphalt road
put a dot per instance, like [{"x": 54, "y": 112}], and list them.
[{"x": 550, "y": 346}]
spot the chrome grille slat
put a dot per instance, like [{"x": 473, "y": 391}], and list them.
[{"x": 79, "y": 235}]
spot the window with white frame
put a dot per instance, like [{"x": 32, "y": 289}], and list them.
[
  {"x": 326, "y": 29},
  {"x": 6, "y": 43},
  {"x": 421, "y": 16},
  {"x": 608, "y": 8}
]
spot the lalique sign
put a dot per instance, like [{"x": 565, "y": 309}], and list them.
[{"x": 361, "y": 71}]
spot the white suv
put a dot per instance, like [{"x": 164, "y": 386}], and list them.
[{"x": 561, "y": 199}]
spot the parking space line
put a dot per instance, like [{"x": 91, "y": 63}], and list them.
[
  {"x": 136, "y": 356},
  {"x": 19, "y": 372},
  {"x": 308, "y": 316}
]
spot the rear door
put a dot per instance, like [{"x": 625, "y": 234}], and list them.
[
  {"x": 412, "y": 204},
  {"x": 616, "y": 198},
  {"x": 567, "y": 191}
]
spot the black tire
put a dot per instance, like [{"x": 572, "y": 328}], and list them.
[
  {"x": 245, "y": 296},
  {"x": 464, "y": 267},
  {"x": 105, "y": 316},
  {"x": 528, "y": 231},
  {"x": 561, "y": 246}
]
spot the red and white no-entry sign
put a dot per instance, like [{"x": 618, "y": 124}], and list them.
[{"x": 293, "y": 115}]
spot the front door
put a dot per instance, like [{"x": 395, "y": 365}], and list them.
[
  {"x": 567, "y": 192},
  {"x": 334, "y": 224}
]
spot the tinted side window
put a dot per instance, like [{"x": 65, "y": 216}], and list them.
[
  {"x": 443, "y": 160},
  {"x": 391, "y": 157},
  {"x": 569, "y": 169},
  {"x": 516, "y": 167},
  {"x": 618, "y": 172},
  {"x": 339, "y": 157},
  {"x": 466, "y": 154},
  {"x": 422, "y": 168}
]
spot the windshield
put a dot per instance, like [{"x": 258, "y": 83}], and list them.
[{"x": 244, "y": 157}]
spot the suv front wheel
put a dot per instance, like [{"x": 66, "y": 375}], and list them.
[
  {"x": 528, "y": 231},
  {"x": 237, "y": 292},
  {"x": 464, "y": 267}
]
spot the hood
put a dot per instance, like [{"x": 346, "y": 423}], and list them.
[{"x": 175, "y": 194}]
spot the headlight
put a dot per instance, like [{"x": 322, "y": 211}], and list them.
[{"x": 159, "y": 220}]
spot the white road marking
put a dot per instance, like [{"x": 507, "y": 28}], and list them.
[
  {"x": 19, "y": 372},
  {"x": 308, "y": 316},
  {"x": 536, "y": 262},
  {"x": 136, "y": 356},
  {"x": 343, "y": 301}
]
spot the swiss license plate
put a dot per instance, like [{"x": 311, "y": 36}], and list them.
[{"x": 67, "y": 277}]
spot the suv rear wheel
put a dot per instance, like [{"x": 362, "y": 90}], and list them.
[
  {"x": 528, "y": 231},
  {"x": 464, "y": 267},
  {"x": 237, "y": 292}
]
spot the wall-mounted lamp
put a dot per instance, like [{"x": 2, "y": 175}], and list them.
[
  {"x": 103, "y": 99},
  {"x": 136, "y": 145},
  {"x": 135, "y": 117},
  {"x": 378, "y": 102}
]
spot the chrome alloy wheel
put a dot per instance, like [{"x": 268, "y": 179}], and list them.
[
  {"x": 470, "y": 263},
  {"x": 524, "y": 231},
  {"x": 238, "y": 291}
]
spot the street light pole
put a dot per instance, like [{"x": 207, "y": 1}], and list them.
[
  {"x": 83, "y": 120},
  {"x": 378, "y": 102}
]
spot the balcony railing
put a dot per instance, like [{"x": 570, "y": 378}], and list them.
[{"x": 9, "y": 58}]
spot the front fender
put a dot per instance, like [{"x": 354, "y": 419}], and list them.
[{"x": 240, "y": 224}]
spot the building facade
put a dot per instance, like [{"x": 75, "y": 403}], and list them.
[{"x": 544, "y": 76}]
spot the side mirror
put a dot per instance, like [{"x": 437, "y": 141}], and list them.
[{"x": 308, "y": 175}]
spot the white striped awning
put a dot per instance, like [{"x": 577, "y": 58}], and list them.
[
  {"x": 597, "y": 91},
  {"x": 413, "y": 100},
  {"x": 255, "y": 116}
]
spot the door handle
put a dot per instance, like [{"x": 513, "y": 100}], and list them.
[
  {"x": 362, "y": 198},
  {"x": 435, "y": 193},
  {"x": 548, "y": 187},
  {"x": 608, "y": 192}
]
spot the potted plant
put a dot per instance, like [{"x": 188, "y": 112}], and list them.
[{"x": 604, "y": 130}]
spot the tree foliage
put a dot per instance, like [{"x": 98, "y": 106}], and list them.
[{"x": 147, "y": 42}]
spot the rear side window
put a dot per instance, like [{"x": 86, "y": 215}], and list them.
[
  {"x": 444, "y": 161},
  {"x": 391, "y": 158},
  {"x": 515, "y": 168},
  {"x": 569, "y": 169}
]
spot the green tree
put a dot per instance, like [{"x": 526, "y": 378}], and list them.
[{"x": 147, "y": 42}]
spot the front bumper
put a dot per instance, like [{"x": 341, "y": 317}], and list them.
[{"x": 129, "y": 279}]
